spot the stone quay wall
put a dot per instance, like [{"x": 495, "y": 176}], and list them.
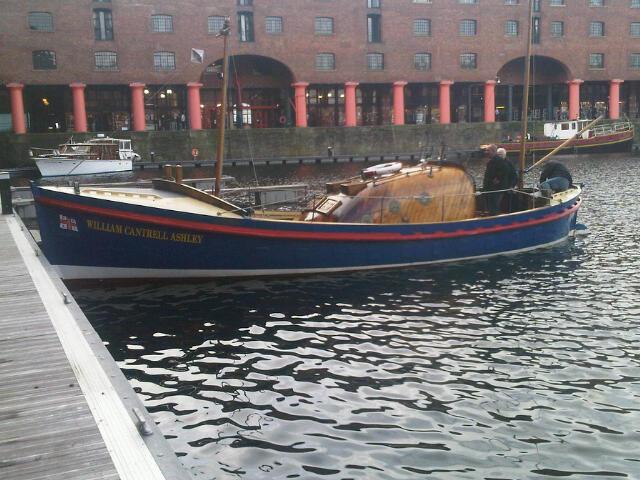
[{"x": 274, "y": 143}]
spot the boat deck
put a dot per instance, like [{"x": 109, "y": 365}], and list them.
[
  {"x": 66, "y": 410},
  {"x": 151, "y": 197}
]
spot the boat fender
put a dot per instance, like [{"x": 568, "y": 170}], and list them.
[
  {"x": 282, "y": 119},
  {"x": 381, "y": 169}
]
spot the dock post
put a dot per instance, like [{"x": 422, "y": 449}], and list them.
[{"x": 5, "y": 193}]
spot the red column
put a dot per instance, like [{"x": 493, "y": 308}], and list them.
[
  {"x": 490, "y": 101},
  {"x": 350, "y": 118},
  {"x": 398, "y": 103},
  {"x": 614, "y": 98},
  {"x": 445, "y": 101},
  {"x": 137, "y": 107},
  {"x": 17, "y": 107},
  {"x": 193, "y": 104},
  {"x": 301, "y": 103},
  {"x": 79, "y": 111},
  {"x": 574, "y": 98}
]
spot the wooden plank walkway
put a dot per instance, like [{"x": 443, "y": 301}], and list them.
[{"x": 60, "y": 415}]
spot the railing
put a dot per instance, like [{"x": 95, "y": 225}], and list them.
[{"x": 611, "y": 128}]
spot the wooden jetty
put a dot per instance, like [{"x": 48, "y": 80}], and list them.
[{"x": 66, "y": 410}]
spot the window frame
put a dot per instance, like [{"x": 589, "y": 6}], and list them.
[
  {"x": 473, "y": 65},
  {"x": 463, "y": 30},
  {"x": 31, "y": 16},
  {"x": 96, "y": 65},
  {"x": 36, "y": 65},
  {"x": 318, "y": 20},
  {"x": 426, "y": 32},
  {"x": 600, "y": 65},
  {"x": 103, "y": 27},
  {"x": 162, "y": 65},
  {"x": 373, "y": 66},
  {"x": 330, "y": 65},
  {"x": 417, "y": 64},
  {"x": 162, "y": 22},
  {"x": 269, "y": 20}
]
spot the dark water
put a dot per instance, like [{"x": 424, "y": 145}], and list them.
[{"x": 521, "y": 367}]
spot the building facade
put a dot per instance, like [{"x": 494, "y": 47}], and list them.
[{"x": 106, "y": 65}]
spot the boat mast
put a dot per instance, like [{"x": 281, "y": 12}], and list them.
[
  {"x": 224, "y": 33},
  {"x": 525, "y": 99}
]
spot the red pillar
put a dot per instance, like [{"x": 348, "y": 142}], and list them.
[
  {"x": 17, "y": 107},
  {"x": 79, "y": 111},
  {"x": 350, "y": 118},
  {"x": 301, "y": 103},
  {"x": 445, "y": 101},
  {"x": 398, "y": 103},
  {"x": 193, "y": 105},
  {"x": 614, "y": 98},
  {"x": 137, "y": 107},
  {"x": 490, "y": 101},
  {"x": 574, "y": 98}
]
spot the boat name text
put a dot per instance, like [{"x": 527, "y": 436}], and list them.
[{"x": 150, "y": 233}]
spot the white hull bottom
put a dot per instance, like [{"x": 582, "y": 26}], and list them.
[
  {"x": 74, "y": 272},
  {"x": 54, "y": 167}
]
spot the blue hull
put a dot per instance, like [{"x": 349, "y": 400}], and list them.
[{"x": 89, "y": 237}]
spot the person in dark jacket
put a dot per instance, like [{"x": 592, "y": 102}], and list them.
[
  {"x": 499, "y": 176},
  {"x": 554, "y": 178}
]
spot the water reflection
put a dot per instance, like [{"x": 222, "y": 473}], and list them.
[{"x": 519, "y": 367}]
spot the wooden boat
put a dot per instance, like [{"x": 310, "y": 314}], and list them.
[
  {"x": 613, "y": 136},
  {"x": 97, "y": 155},
  {"x": 172, "y": 230},
  {"x": 391, "y": 216}
]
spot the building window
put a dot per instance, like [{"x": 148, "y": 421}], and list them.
[
  {"x": 511, "y": 28},
  {"x": 164, "y": 61},
  {"x": 273, "y": 25},
  {"x": 596, "y": 60},
  {"x": 41, "y": 21},
  {"x": 536, "y": 5},
  {"x": 422, "y": 61},
  {"x": 422, "y": 1},
  {"x": 373, "y": 3},
  {"x": 44, "y": 60},
  {"x": 635, "y": 29},
  {"x": 557, "y": 29},
  {"x": 162, "y": 23},
  {"x": 468, "y": 28},
  {"x": 634, "y": 61},
  {"x": 635, "y": 4},
  {"x": 245, "y": 3},
  {"x": 374, "y": 28},
  {"x": 102, "y": 24},
  {"x": 469, "y": 61},
  {"x": 535, "y": 30},
  {"x": 467, "y": 1},
  {"x": 106, "y": 61},
  {"x": 324, "y": 26},
  {"x": 245, "y": 27},
  {"x": 596, "y": 29},
  {"x": 511, "y": 2},
  {"x": 422, "y": 26},
  {"x": 596, "y": 3},
  {"x": 325, "y": 61},
  {"x": 375, "y": 61},
  {"x": 556, "y": 3},
  {"x": 215, "y": 24}
]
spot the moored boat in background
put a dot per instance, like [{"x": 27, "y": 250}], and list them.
[
  {"x": 611, "y": 136},
  {"x": 97, "y": 155}
]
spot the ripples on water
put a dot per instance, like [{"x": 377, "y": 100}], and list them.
[{"x": 521, "y": 367}]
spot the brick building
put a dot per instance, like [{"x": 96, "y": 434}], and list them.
[{"x": 106, "y": 65}]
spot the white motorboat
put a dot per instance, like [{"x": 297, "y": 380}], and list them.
[{"x": 96, "y": 155}]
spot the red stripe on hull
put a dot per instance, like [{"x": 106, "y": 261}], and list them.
[{"x": 300, "y": 235}]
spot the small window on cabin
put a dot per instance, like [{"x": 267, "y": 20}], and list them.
[
  {"x": 565, "y": 126},
  {"x": 573, "y": 125}
]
